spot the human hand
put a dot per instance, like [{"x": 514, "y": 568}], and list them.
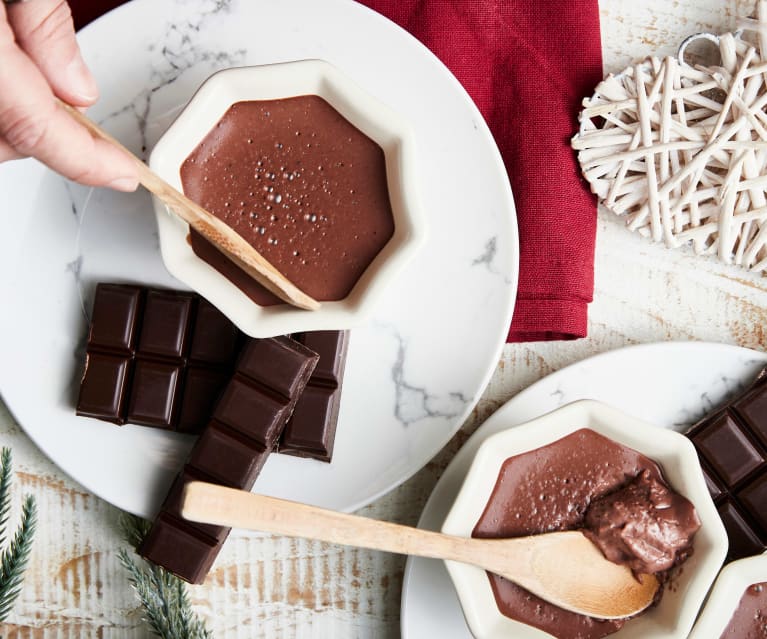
[{"x": 40, "y": 60}]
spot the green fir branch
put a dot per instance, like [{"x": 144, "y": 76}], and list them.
[
  {"x": 14, "y": 558},
  {"x": 163, "y": 596},
  {"x": 5, "y": 492}
]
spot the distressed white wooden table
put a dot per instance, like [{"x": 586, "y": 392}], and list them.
[{"x": 280, "y": 587}]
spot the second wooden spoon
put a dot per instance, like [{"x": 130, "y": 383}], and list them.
[{"x": 564, "y": 568}]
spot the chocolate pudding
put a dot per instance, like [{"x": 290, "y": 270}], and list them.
[
  {"x": 302, "y": 185},
  {"x": 585, "y": 478},
  {"x": 644, "y": 525},
  {"x": 750, "y": 618}
]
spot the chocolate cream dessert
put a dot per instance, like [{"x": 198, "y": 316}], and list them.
[
  {"x": 302, "y": 185},
  {"x": 587, "y": 481},
  {"x": 750, "y": 618}
]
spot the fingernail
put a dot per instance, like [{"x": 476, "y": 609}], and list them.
[
  {"x": 123, "y": 184},
  {"x": 80, "y": 81}
]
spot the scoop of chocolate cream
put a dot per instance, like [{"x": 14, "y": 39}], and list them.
[{"x": 644, "y": 525}]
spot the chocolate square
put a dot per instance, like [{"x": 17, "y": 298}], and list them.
[
  {"x": 310, "y": 432},
  {"x": 165, "y": 325},
  {"x": 754, "y": 498},
  {"x": 202, "y": 387},
  {"x": 102, "y": 390},
  {"x": 114, "y": 318},
  {"x": 728, "y": 450},
  {"x": 173, "y": 502},
  {"x": 228, "y": 458},
  {"x": 714, "y": 488},
  {"x": 153, "y": 395},
  {"x": 743, "y": 539},
  {"x": 251, "y": 411},
  {"x": 331, "y": 347},
  {"x": 179, "y": 548},
  {"x": 752, "y": 409},
  {"x": 215, "y": 338},
  {"x": 276, "y": 363}
]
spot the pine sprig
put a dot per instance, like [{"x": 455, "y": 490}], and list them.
[
  {"x": 5, "y": 491},
  {"x": 14, "y": 558},
  {"x": 163, "y": 596}
]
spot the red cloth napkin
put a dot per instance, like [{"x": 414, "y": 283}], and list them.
[{"x": 527, "y": 64}]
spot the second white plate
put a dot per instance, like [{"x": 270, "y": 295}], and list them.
[{"x": 669, "y": 384}]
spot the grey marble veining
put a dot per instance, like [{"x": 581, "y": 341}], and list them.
[
  {"x": 413, "y": 403},
  {"x": 178, "y": 51},
  {"x": 488, "y": 257}
]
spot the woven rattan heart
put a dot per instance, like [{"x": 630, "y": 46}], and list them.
[{"x": 681, "y": 151}]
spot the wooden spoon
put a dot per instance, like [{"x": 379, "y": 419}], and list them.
[
  {"x": 222, "y": 236},
  {"x": 564, "y": 568}
]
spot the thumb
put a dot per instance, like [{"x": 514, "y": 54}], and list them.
[{"x": 44, "y": 30}]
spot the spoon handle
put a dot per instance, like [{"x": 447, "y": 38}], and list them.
[
  {"x": 209, "y": 226},
  {"x": 211, "y": 503}
]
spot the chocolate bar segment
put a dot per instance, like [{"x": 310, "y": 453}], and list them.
[
  {"x": 732, "y": 447},
  {"x": 227, "y": 456},
  {"x": 248, "y": 418},
  {"x": 115, "y": 317},
  {"x": 153, "y": 397},
  {"x": 312, "y": 429},
  {"x": 256, "y": 414},
  {"x": 103, "y": 387},
  {"x": 215, "y": 339},
  {"x": 202, "y": 387},
  {"x": 184, "y": 550},
  {"x": 173, "y": 502},
  {"x": 156, "y": 358},
  {"x": 165, "y": 325}
]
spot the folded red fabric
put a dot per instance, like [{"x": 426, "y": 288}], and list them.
[{"x": 527, "y": 64}]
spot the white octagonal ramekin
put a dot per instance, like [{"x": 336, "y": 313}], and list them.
[
  {"x": 374, "y": 119},
  {"x": 673, "y": 617},
  {"x": 725, "y": 596}
]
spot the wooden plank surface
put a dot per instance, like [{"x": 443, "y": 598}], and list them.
[{"x": 278, "y": 587}]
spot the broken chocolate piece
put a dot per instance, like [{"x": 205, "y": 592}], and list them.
[
  {"x": 312, "y": 429},
  {"x": 732, "y": 446},
  {"x": 156, "y": 358},
  {"x": 270, "y": 376}
]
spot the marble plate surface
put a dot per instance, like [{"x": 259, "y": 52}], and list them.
[
  {"x": 670, "y": 384},
  {"x": 414, "y": 372}
]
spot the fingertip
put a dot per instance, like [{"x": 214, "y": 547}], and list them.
[
  {"x": 125, "y": 184},
  {"x": 77, "y": 84},
  {"x": 121, "y": 167}
]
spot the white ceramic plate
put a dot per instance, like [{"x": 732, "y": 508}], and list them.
[
  {"x": 414, "y": 372},
  {"x": 669, "y": 384}
]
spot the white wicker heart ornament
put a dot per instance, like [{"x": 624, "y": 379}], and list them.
[{"x": 681, "y": 151}]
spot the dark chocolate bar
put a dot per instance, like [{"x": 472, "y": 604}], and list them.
[
  {"x": 249, "y": 417},
  {"x": 155, "y": 357},
  {"x": 732, "y": 446},
  {"x": 312, "y": 429}
]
